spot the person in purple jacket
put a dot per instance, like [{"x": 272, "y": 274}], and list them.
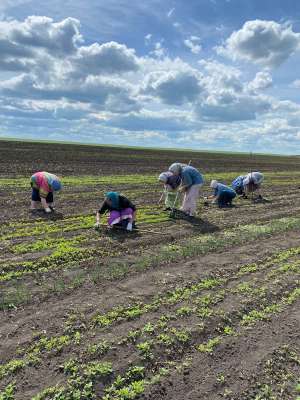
[{"x": 122, "y": 212}]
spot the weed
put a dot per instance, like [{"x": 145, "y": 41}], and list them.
[
  {"x": 209, "y": 346},
  {"x": 8, "y": 393}
]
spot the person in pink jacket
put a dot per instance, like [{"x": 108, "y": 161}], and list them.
[{"x": 43, "y": 186}]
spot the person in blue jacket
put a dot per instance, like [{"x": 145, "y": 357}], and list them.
[
  {"x": 223, "y": 195},
  {"x": 191, "y": 182}
]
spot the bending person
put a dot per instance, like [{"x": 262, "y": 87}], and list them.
[
  {"x": 121, "y": 211},
  {"x": 43, "y": 186},
  {"x": 223, "y": 195},
  {"x": 171, "y": 183},
  {"x": 250, "y": 183},
  {"x": 191, "y": 182}
]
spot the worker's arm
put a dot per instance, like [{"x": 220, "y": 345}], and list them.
[
  {"x": 186, "y": 182},
  {"x": 45, "y": 205},
  {"x": 97, "y": 224},
  {"x": 103, "y": 208}
]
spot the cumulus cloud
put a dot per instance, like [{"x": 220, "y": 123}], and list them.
[
  {"x": 108, "y": 58},
  {"x": 193, "y": 44},
  {"x": 97, "y": 90},
  {"x": 174, "y": 87},
  {"x": 58, "y": 84},
  {"x": 38, "y": 32},
  {"x": 149, "y": 120},
  {"x": 263, "y": 80},
  {"x": 266, "y": 43},
  {"x": 229, "y": 107},
  {"x": 220, "y": 77},
  {"x": 227, "y": 98}
]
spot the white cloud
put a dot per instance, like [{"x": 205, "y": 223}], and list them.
[
  {"x": 148, "y": 38},
  {"x": 108, "y": 58},
  {"x": 229, "y": 107},
  {"x": 227, "y": 98},
  {"x": 170, "y": 12},
  {"x": 263, "y": 80},
  {"x": 266, "y": 43},
  {"x": 220, "y": 77},
  {"x": 174, "y": 87},
  {"x": 106, "y": 92},
  {"x": 159, "y": 51},
  {"x": 43, "y": 33},
  {"x": 193, "y": 44},
  {"x": 114, "y": 94}
]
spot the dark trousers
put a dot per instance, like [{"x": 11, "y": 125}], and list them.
[{"x": 225, "y": 199}]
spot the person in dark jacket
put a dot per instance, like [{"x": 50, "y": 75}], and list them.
[
  {"x": 171, "y": 183},
  {"x": 121, "y": 211}
]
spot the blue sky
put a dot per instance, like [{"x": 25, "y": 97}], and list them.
[{"x": 203, "y": 74}]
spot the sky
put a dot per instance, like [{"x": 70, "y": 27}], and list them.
[{"x": 199, "y": 74}]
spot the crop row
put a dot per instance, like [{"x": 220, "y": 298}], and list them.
[
  {"x": 85, "y": 375},
  {"x": 198, "y": 245},
  {"x": 188, "y": 293},
  {"x": 146, "y": 215},
  {"x": 138, "y": 179}
]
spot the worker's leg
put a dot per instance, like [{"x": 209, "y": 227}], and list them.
[
  {"x": 191, "y": 196},
  {"x": 114, "y": 218},
  {"x": 35, "y": 199},
  {"x": 128, "y": 218},
  {"x": 50, "y": 200},
  {"x": 223, "y": 200}
]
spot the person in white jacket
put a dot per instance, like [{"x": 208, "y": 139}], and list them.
[{"x": 250, "y": 183}]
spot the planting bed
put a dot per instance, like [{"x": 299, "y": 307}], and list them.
[{"x": 180, "y": 310}]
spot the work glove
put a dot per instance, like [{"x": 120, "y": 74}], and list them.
[
  {"x": 48, "y": 210},
  {"x": 129, "y": 227}
]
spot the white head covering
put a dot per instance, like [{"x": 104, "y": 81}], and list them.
[
  {"x": 213, "y": 184},
  {"x": 256, "y": 177},
  {"x": 176, "y": 168},
  {"x": 163, "y": 177}
]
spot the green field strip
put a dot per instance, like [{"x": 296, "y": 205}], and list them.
[
  {"x": 165, "y": 340},
  {"x": 169, "y": 298},
  {"x": 42, "y": 227},
  {"x": 139, "y": 179}
]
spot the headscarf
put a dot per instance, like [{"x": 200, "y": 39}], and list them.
[
  {"x": 255, "y": 177},
  {"x": 176, "y": 168},
  {"x": 114, "y": 197},
  {"x": 214, "y": 184},
  {"x": 163, "y": 177}
]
